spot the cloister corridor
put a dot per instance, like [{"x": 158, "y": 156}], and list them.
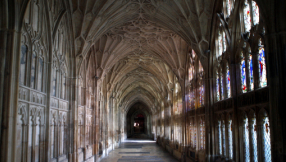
[{"x": 142, "y": 80}]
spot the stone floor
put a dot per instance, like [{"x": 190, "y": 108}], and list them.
[{"x": 139, "y": 150}]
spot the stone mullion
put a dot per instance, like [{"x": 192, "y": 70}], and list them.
[{"x": 83, "y": 127}]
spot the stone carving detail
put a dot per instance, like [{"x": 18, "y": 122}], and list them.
[{"x": 23, "y": 94}]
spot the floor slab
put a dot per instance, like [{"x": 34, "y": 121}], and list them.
[{"x": 139, "y": 150}]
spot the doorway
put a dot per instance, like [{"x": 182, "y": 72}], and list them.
[{"x": 139, "y": 124}]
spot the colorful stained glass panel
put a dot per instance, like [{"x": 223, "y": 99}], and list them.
[
  {"x": 243, "y": 74},
  {"x": 255, "y": 12},
  {"x": 217, "y": 87},
  {"x": 247, "y": 17},
  {"x": 250, "y": 64},
  {"x": 262, "y": 66},
  {"x": 228, "y": 82}
]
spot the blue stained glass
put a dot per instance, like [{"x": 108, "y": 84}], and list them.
[
  {"x": 251, "y": 72},
  {"x": 228, "y": 82},
  {"x": 243, "y": 74}
]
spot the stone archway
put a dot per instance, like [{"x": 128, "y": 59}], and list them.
[{"x": 134, "y": 111}]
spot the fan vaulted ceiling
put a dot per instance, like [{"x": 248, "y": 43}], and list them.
[{"x": 140, "y": 45}]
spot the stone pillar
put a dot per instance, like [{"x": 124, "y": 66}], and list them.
[{"x": 276, "y": 72}]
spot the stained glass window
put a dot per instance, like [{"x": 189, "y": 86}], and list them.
[
  {"x": 191, "y": 70},
  {"x": 201, "y": 69},
  {"x": 254, "y": 140},
  {"x": 247, "y": 17},
  {"x": 220, "y": 44},
  {"x": 266, "y": 140},
  {"x": 223, "y": 41},
  {"x": 201, "y": 84},
  {"x": 223, "y": 138},
  {"x": 250, "y": 68},
  {"x": 191, "y": 98},
  {"x": 243, "y": 73},
  {"x": 262, "y": 65},
  {"x": 219, "y": 138},
  {"x": 246, "y": 142},
  {"x": 255, "y": 12},
  {"x": 230, "y": 139},
  {"x": 221, "y": 86},
  {"x": 228, "y": 7},
  {"x": 228, "y": 82},
  {"x": 201, "y": 94},
  {"x": 217, "y": 87},
  {"x": 192, "y": 134},
  {"x": 202, "y": 133}
]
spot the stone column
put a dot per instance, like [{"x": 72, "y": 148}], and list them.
[{"x": 276, "y": 72}]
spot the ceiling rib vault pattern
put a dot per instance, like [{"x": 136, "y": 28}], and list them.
[{"x": 140, "y": 46}]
